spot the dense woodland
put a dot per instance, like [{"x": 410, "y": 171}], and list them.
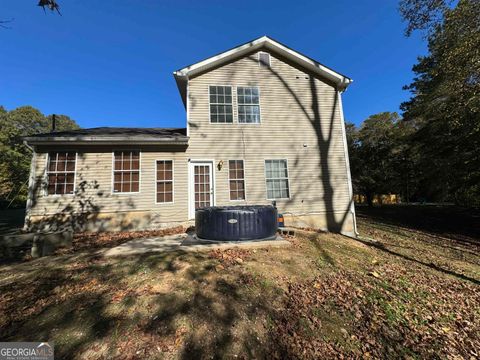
[
  {"x": 430, "y": 153},
  {"x": 433, "y": 152},
  {"x": 15, "y": 156}
]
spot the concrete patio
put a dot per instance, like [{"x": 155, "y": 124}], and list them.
[{"x": 185, "y": 242}]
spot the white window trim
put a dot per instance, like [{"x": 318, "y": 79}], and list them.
[
  {"x": 259, "y": 105},
  {"x": 288, "y": 179},
  {"x": 244, "y": 181},
  {"x": 45, "y": 175},
  {"x": 269, "y": 59},
  {"x": 113, "y": 192},
  {"x": 233, "y": 106},
  {"x": 157, "y": 181}
]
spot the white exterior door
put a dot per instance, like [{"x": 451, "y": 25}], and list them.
[{"x": 201, "y": 186}]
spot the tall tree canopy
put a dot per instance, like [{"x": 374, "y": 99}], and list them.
[
  {"x": 14, "y": 155},
  {"x": 380, "y": 156},
  {"x": 423, "y": 14},
  {"x": 445, "y": 102}
]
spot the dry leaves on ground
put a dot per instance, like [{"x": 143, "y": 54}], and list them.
[
  {"x": 229, "y": 257},
  {"x": 397, "y": 314}
]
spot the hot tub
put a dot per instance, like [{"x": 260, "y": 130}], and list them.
[{"x": 236, "y": 223}]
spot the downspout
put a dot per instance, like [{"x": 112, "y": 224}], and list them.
[
  {"x": 31, "y": 183},
  {"x": 347, "y": 163}
]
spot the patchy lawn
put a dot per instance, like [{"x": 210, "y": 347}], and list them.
[{"x": 412, "y": 293}]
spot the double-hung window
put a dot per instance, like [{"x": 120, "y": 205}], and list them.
[
  {"x": 276, "y": 175},
  {"x": 164, "y": 181},
  {"x": 236, "y": 179},
  {"x": 61, "y": 173},
  {"x": 221, "y": 109},
  {"x": 126, "y": 171},
  {"x": 248, "y": 105}
]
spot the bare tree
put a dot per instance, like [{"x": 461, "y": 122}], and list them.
[
  {"x": 51, "y": 5},
  {"x": 3, "y": 22}
]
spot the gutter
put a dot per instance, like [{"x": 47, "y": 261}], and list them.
[
  {"x": 92, "y": 140},
  {"x": 31, "y": 180}
]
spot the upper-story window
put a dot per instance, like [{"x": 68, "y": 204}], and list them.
[
  {"x": 221, "y": 109},
  {"x": 126, "y": 171},
  {"x": 248, "y": 104},
  {"x": 61, "y": 173}
]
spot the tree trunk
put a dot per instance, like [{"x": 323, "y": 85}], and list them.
[{"x": 369, "y": 197}]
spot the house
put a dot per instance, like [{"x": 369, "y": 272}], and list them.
[{"x": 264, "y": 123}]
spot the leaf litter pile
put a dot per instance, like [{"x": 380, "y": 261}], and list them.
[{"x": 325, "y": 296}]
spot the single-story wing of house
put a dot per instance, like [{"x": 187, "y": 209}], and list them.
[{"x": 264, "y": 123}]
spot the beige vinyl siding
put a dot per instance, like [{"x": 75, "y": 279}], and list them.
[
  {"x": 288, "y": 121},
  {"x": 318, "y": 180},
  {"x": 93, "y": 183}
]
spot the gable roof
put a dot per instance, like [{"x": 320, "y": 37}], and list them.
[
  {"x": 112, "y": 135},
  {"x": 264, "y": 42}
]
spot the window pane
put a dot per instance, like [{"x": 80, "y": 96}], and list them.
[
  {"x": 161, "y": 187},
  {"x": 71, "y": 166},
  {"x": 126, "y": 174},
  {"x": 52, "y": 166},
  {"x": 135, "y": 186},
  {"x": 118, "y": 164},
  {"x": 221, "y": 104},
  {"x": 135, "y": 164},
  {"x": 240, "y": 185},
  {"x": 237, "y": 183},
  {"x": 61, "y": 165},
  {"x": 117, "y": 187},
  {"x": 165, "y": 180},
  {"x": 276, "y": 179},
  {"x": 60, "y": 188},
  {"x": 160, "y": 197},
  {"x": 69, "y": 189},
  {"x": 60, "y": 173}
]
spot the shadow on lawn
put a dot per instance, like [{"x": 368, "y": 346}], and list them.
[
  {"x": 459, "y": 224},
  {"x": 69, "y": 300},
  {"x": 382, "y": 247}
]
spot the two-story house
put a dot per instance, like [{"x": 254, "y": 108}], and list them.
[{"x": 264, "y": 123}]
